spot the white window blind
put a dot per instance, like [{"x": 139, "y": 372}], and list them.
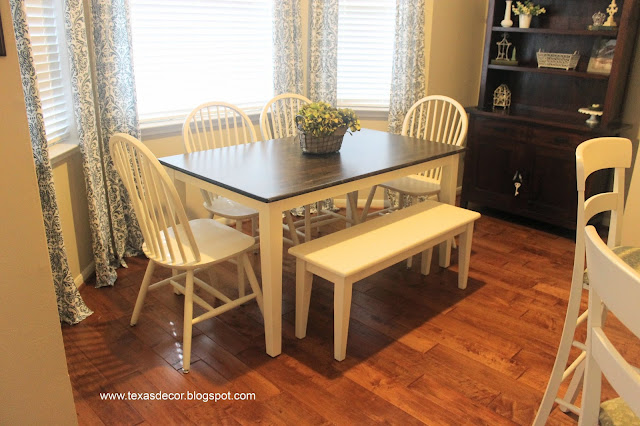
[
  {"x": 46, "y": 31},
  {"x": 365, "y": 52},
  {"x": 195, "y": 51}
]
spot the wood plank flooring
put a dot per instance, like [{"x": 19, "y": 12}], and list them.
[{"x": 420, "y": 350}]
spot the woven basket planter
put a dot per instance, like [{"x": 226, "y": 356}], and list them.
[{"x": 322, "y": 145}]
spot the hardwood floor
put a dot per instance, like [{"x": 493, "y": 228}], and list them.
[{"x": 420, "y": 350}]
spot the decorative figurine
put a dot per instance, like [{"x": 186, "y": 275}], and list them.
[
  {"x": 507, "y": 22},
  {"x": 611, "y": 10},
  {"x": 598, "y": 19},
  {"x": 502, "y": 97},
  {"x": 503, "y": 53}
]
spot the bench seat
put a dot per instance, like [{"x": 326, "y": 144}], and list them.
[{"x": 355, "y": 253}]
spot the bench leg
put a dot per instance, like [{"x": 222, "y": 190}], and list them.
[
  {"x": 464, "y": 254},
  {"x": 304, "y": 280},
  {"x": 414, "y": 201},
  {"x": 425, "y": 264},
  {"x": 341, "y": 314}
]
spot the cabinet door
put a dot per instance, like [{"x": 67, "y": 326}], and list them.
[
  {"x": 553, "y": 195},
  {"x": 496, "y": 153}
]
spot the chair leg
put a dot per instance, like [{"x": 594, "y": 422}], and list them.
[
  {"x": 151, "y": 266},
  {"x": 241, "y": 282},
  {"x": 304, "y": 282},
  {"x": 341, "y": 314},
  {"x": 464, "y": 256},
  {"x": 575, "y": 386},
  {"x": 403, "y": 205},
  {"x": 174, "y": 272},
  {"x": 292, "y": 228},
  {"x": 367, "y": 205},
  {"x": 307, "y": 223},
  {"x": 188, "y": 322},
  {"x": 564, "y": 348},
  {"x": 253, "y": 281}
]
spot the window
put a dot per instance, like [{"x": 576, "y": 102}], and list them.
[
  {"x": 187, "y": 53},
  {"x": 46, "y": 30},
  {"x": 365, "y": 53}
]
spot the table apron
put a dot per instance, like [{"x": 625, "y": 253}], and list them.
[{"x": 311, "y": 197}]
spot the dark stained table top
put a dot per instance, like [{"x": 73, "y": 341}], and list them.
[{"x": 277, "y": 169}]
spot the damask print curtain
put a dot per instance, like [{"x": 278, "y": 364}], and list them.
[
  {"x": 323, "y": 51},
  {"x": 114, "y": 229},
  {"x": 287, "y": 47},
  {"x": 408, "y": 74},
  {"x": 71, "y": 307}
]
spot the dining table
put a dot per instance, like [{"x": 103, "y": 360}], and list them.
[{"x": 274, "y": 176}]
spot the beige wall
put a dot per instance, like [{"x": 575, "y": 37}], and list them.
[
  {"x": 68, "y": 177},
  {"x": 34, "y": 382},
  {"x": 454, "y": 40},
  {"x": 631, "y": 230}
]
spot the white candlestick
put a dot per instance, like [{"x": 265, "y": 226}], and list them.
[{"x": 507, "y": 22}]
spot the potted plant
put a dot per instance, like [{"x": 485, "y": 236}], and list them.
[
  {"x": 525, "y": 11},
  {"x": 321, "y": 127}
]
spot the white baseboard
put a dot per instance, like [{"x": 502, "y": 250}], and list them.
[
  {"x": 84, "y": 275},
  {"x": 375, "y": 204}
]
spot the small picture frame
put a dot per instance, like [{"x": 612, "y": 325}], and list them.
[
  {"x": 3, "y": 51},
  {"x": 602, "y": 56}
]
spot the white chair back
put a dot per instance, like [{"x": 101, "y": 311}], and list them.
[
  {"x": 437, "y": 118},
  {"x": 215, "y": 125},
  {"x": 615, "y": 286},
  {"x": 278, "y": 117},
  {"x": 591, "y": 156},
  {"x": 163, "y": 221}
]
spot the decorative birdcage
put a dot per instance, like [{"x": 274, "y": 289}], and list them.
[{"x": 502, "y": 97}]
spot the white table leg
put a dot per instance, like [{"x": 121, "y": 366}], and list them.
[
  {"x": 448, "y": 185},
  {"x": 271, "y": 261},
  {"x": 181, "y": 186}
]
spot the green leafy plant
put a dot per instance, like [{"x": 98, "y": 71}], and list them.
[
  {"x": 321, "y": 119},
  {"x": 528, "y": 8}
]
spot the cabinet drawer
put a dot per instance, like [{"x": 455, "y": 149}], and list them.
[
  {"x": 557, "y": 138},
  {"x": 500, "y": 129}
]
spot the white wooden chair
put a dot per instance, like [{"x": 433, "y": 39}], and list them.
[
  {"x": 591, "y": 156},
  {"x": 277, "y": 120},
  {"x": 172, "y": 241},
  {"x": 433, "y": 118},
  {"x": 215, "y": 125},
  {"x": 615, "y": 287}
]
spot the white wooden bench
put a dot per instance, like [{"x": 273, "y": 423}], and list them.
[{"x": 352, "y": 254}]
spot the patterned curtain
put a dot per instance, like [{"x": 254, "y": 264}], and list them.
[
  {"x": 408, "y": 75},
  {"x": 323, "y": 62},
  {"x": 114, "y": 230},
  {"x": 71, "y": 307},
  {"x": 287, "y": 47},
  {"x": 323, "y": 51}
]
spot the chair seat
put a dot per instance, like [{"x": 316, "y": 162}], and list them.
[
  {"x": 230, "y": 209},
  {"x": 415, "y": 185},
  {"x": 616, "y": 412},
  {"x": 215, "y": 241},
  {"x": 629, "y": 255}
]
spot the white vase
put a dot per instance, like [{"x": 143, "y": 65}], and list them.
[
  {"x": 524, "y": 21},
  {"x": 507, "y": 22}
]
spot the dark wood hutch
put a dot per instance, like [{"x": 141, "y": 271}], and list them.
[{"x": 534, "y": 140}]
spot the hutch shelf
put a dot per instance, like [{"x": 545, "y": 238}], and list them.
[{"x": 532, "y": 143}]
